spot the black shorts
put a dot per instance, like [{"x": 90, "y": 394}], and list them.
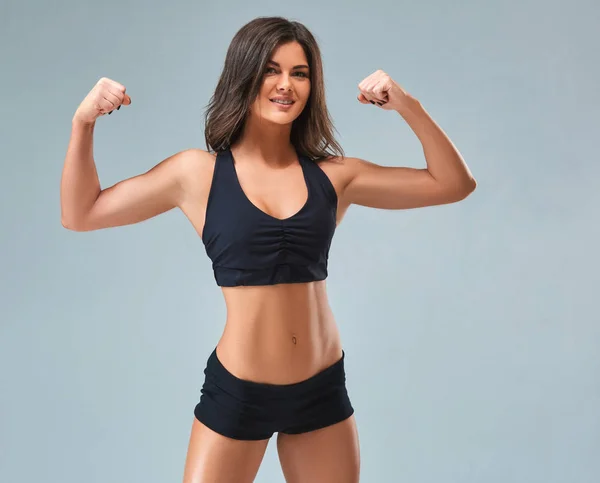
[{"x": 248, "y": 410}]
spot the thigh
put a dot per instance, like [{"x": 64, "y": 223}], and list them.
[
  {"x": 329, "y": 454},
  {"x": 214, "y": 458}
]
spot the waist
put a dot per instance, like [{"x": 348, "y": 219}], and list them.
[{"x": 278, "y": 334}]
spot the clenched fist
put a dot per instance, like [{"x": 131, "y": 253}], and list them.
[
  {"x": 379, "y": 88},
  {"x": 106, "y": 96}
]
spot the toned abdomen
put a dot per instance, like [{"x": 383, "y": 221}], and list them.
[{"x": 278, "y": 334}]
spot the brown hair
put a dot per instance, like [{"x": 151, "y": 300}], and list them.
[{"x": 241, "y": 80}]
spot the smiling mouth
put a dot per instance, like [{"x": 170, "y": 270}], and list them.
[{"x": 282, "y": 102}]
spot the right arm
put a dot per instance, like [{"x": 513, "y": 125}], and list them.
[{"x": 85, "y": 206}]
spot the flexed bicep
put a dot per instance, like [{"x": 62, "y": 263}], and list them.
[
  {"x": 139, "y": 198},
  {"x": 394, "y": 188}
]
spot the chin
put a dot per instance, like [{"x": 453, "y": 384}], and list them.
[{"x": 279, "y": 120}]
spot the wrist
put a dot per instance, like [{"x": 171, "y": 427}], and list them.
[
  {"x": 78, "y": 122},
  {"x": 408, "y": 105}
]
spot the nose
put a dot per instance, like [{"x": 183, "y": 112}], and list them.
[{"x": 284, "y": 84}]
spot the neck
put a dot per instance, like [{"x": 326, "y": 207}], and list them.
[{"x": 265, "y": 141}]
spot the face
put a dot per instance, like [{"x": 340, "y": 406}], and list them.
[{"x": 286, "y": 85}]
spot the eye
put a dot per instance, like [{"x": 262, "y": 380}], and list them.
[
  {"x": 302, "y": 74},
  {"x": 269, "y": 70}
]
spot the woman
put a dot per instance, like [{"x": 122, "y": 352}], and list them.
[{"x": 265, "y": 199}]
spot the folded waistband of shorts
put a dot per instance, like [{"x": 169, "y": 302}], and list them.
[{"x": 326, "y": 378}]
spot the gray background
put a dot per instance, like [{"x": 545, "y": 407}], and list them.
[{"x": 471, "y": 330}]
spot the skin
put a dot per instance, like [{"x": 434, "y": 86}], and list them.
[{"x": 285, "y": 333}]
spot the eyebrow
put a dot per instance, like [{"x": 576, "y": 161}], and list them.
[{"x": 302, "y": 66}]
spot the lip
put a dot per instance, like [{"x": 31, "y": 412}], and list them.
[{"x": 283, "y": 107}]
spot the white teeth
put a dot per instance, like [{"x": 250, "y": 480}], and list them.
[{"x": 278, "y": 101}]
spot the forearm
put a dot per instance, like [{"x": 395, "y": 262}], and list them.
[
  {"x": 80, "y": 185},
  {"x": 444, "y": 162}
]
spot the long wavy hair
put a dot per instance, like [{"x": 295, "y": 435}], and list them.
[{"x": 241, "y": 79}]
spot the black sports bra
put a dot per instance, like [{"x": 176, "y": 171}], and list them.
[{"x": 249, "y": 247}]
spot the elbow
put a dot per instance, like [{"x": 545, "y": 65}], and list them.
[
  {"x": 68, "y": 224},
  {"x": 71, "y": 224},
  {"x": 470, "y": 186},
  {"x": 462, "y": 191},
  {"x": 66, "y": 216}
]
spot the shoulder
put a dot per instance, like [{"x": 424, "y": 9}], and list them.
[
  {"x": 190, "y": 164},
  {"x": 192, "y": 169},
  {"x": 343, "y": 163},
  {"x": 193, "y": 160},
  {"x": 340, "y": 170}
]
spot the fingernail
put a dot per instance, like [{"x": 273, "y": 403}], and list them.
[
  {"x": 372, "y": 102},
  {"x": 110, "y": 113},
  {"x": 118, "y": 108},
  {"x": 380, "y": 104}
]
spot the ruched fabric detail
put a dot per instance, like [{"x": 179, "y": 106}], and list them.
[{"x": 249, "y": 247}]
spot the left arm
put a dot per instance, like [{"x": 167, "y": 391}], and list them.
[{"x": 446, "y": 179}]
